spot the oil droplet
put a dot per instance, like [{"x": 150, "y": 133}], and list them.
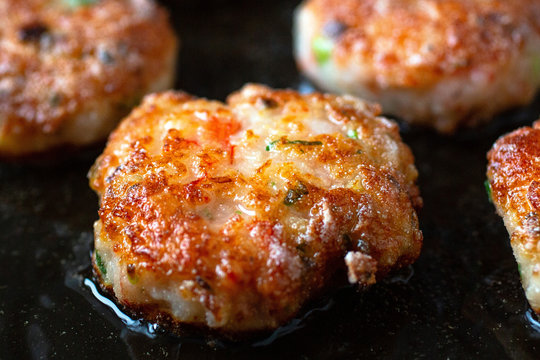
[
  {"x": 138, "y": 326},
  {"x": 533, "y": 319}
]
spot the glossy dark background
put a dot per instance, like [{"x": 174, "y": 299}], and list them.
[{"x": 463, "y": 300}]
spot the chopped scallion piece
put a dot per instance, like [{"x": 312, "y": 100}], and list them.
[
  {"x": 352, "y": 133},
  {"x": 100, "y": 264},
  {"x": 536, "y": 66},
  {"x": 272, "y": 145},
  {"x": 487, "y": 185},
  {"x": 78, "y": 3},
  {"x": 303, "y": 142},
  {"x": 322, "y": 49}
]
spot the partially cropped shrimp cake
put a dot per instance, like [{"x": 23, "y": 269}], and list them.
[
  {"x": 232, "y": 216},
  {"x": 514, "y": 184},
  {"x": 70, "y": 70},
  {"x": 445, "y": 64}
]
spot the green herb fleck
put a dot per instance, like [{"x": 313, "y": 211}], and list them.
[
  {"x": 487, "y": 185},
  {"x": 303, "y": 142},
  {"x": 100, "y": 264},
  {"x": 322, "y": 49},
  {"x": 352, "y": 133},
  {"x": 207, "y": 214},
  {"x": 358, "y": 152},
  {"x": 238, "y": 212},
  {"x": 293, "y": 195},
  {"x": 536, "y": 66},
  {"x": 519, "y": 270},
  {"x": 272, "y": 145},
  {"x": 78, "y": 3}
]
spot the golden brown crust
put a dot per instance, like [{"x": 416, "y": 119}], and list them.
[
  {"x": 181, "y": 199},
  {"x": 514, "y": 172},
  {"x": 57, "y": 62},
  {"x": 414, "y": 43},
  {"x": 514, "y": 177}
]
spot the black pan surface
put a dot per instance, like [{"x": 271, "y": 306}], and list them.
[{"x": 462, "y": 299}]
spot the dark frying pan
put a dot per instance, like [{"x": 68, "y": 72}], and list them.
[{"x": 461, "y": 300}]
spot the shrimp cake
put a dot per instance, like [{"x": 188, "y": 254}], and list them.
[
  {"x": 514, "y": 185},
  {"x": 231, "y": 216},
  {"x": 70, "y": 70},
  {"x": 445, "y": 64}
]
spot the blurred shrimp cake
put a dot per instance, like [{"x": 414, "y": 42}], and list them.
[
  {"x": 445, "y": 64},
  {"x": 71, "y": 69},
  {"x": 232, "y": 216}
]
